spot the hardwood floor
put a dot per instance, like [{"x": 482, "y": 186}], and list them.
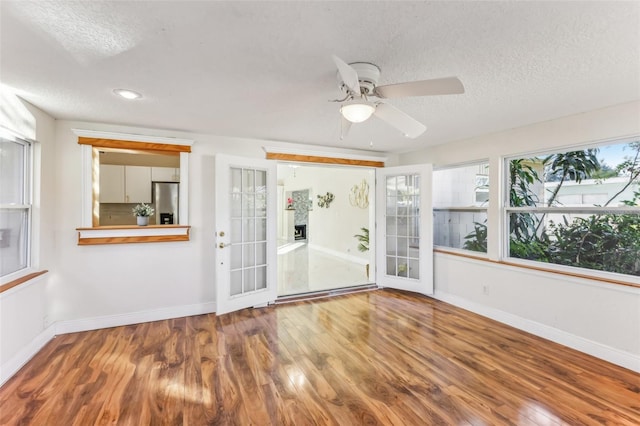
[{"x": 381, "y": 357}]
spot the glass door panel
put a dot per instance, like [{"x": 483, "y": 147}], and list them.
[
  {"x": 245, "y": 223},
  {"x": 405, "y": 231},
  {"x": 249, "y": 186}
]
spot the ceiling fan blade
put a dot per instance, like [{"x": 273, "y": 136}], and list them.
[
  {"x": 345, "y": 126},
  {"x": 438, "y": 86},
  {"x": 348, "y": 74},
  {"x": 401, "y": 121}
]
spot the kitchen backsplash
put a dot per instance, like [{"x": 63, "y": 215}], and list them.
[{"x": 120, "y": 214}]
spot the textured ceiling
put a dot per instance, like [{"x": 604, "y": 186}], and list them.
[{"x": 264, "y": 70}]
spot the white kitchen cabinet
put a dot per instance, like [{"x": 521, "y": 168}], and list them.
[
  {"x": 111, "y": 183},
  {"x": 165, "y": 174},
  {"x": 125, "y": 184},
  {"x": 137, "y": 183}
]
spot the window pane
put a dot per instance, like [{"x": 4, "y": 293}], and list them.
[
  {"x": 606, "y": 242},
  {"x": 248, "y": 181},
  {"x": 248, "y": 205},
  {"x": 261, "y": 254},
  {"x": 403, "y": 246},
  {"x": 13, "y": 240},
  {"x": 236, "y": 231},
  {"x": 414, "y": 269},
  {"x": 236, "y": 256},
  {"x": 249, "y": 280},
  {"x": 604, "y": 176},
  {"x": 392, "y": 229},
  {"x": 461, "y": 186},
  {"x": 248, "y": 230},
  {"x": 248, "y": 255},
  {"x": 15, "y": 203},
  {"x": 236, "y": 205},
  {"x": 403, "y": 268},
  {"x": 236, "y": 180},
  {"x": 261, "y": 278},
  {"x": 261, "y": 181},
  {"x": 391, "y": 265},
  {"x": 12, "y": 172},
  {"x": 391, "y": 246},
  {"x": 462, "y": 230},
  {"x": 235, "y": 286},
  {"x": 607, "y": 239},
  {"x": 460, "y": 199},
  {"x": 261, "y": 205},
  {"x": 261, "y": 229}
]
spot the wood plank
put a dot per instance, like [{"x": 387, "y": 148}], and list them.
[
  {"x": 377, "y": 357},
  {"x": 165, "y": 149},
  {"x": 539, "y": 268},
  {"x": 21, "y": 280},
  {"x": 322, "y": 160},
  {"x": 132, "y": 240}
]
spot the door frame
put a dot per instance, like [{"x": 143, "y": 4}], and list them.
[{"x": 371, "y": 220}]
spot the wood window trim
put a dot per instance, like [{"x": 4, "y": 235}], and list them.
[
  {"x": 538, "y": 268},
  {"x": 21, "y": 280},
  {"x": 133, "y": 234}
]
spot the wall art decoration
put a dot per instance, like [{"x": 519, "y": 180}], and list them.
[
  {"x": 359, "y": 195},
  {"x": 325, "y": 200}
]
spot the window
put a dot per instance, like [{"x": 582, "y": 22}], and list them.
[
  {"x": 577, "y": 208},
  {"x": 94, "y": 146},
  {"x": 15, "y": 205},
  {"x": 460, "y": 201},
  {"x": 129, "y": 178}
]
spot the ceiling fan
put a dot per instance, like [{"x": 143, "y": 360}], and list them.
[{"x": 359, "y": 82}]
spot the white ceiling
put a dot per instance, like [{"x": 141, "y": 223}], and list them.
[{"x": 264, "y": 70}]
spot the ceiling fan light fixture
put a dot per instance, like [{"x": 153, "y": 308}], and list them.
[{"x": 357, "y": 111}]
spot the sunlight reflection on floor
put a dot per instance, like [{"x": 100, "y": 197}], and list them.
[{"x": 533, "y": 412}]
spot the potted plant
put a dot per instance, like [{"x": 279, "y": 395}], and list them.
[
  {"x": 363, "y": 243},
  {"x": 142, "y": 212}
]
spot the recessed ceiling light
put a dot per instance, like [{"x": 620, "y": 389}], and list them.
[{"x": 127, "y": 94}]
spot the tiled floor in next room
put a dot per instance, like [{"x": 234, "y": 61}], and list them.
[{"x": 302, "y": 269}]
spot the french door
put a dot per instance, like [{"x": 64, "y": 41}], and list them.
[
  {"x": 404, "y": 229},
  {"x": 245, "y": 223}
]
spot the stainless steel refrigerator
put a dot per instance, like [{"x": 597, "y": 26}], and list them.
[{"x": 165, "y": 200}]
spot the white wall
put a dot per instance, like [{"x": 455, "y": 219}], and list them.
[
  {"x": 128, "y": 281},
  {"x": 23, "y": 310},
  {"x": 595, "y": 317},
  {"x": 98, "y": 286},
  {"x": 90, "y": 287}
]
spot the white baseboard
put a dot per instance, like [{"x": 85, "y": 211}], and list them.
[
  {"x": 339, "y": 254},
  {"x": 598, "y": 350},
  {"x": 11, "y": 367},
  {"x": 95, "y": 323}
]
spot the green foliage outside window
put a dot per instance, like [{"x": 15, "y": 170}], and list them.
[{"x": 607, "y": 242}]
